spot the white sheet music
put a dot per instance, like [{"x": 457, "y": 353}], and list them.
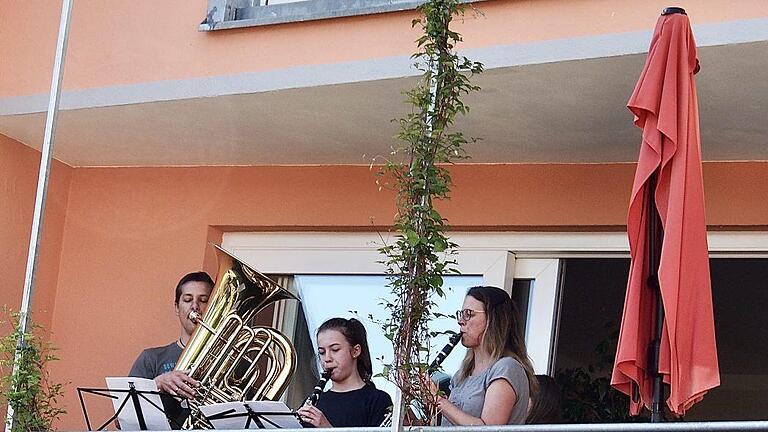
[
  {"x": 282, "y": 417},
  {"x": 154, "y": 418}
]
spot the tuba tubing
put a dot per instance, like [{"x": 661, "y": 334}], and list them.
[{"x": 233, "y": 360}]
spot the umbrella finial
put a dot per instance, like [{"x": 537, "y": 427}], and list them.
[{"x": 673, "y": 10}]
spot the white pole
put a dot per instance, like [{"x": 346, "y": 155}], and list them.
[
  {"x": 42, "y": 186},
  {"x": 398, "y": 411}
]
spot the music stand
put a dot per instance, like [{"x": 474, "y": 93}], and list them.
[
  {"x": 251, "y": 415},
  {"x": 149, "y": 414}
]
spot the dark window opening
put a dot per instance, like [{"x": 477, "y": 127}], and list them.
[{"x": 590, "y": 316}]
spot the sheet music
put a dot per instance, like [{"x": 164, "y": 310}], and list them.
[
  {"x": 234, "y": 415},
  {"x": 154, "y": 418}
]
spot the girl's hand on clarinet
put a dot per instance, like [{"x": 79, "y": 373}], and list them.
[{"x": 310, "y": 414}]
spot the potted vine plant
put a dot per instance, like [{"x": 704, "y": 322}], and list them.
[
  {"x": 421, "y": 252},
  {"x": 28, "y": 388}
]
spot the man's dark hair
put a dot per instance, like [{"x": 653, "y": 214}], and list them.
[{"x": 192, "y": 277}]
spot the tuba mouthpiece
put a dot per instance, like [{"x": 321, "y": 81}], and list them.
[{"x": 194, "y": 316}]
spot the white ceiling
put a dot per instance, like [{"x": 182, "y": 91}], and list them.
[{"x": 558, "y": 112}]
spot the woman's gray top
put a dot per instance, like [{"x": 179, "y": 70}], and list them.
[{"x": 469, "y": 395}]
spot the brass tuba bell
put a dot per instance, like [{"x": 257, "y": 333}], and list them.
[{"x": 232, "y": 360}]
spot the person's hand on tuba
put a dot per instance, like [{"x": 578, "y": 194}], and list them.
[{"x": 177, "y": 383}]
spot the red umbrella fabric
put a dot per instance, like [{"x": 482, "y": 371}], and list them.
[{"x": 665, "y": 107}]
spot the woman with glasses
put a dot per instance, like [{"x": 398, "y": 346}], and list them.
[{"x": 496, "y": 378}]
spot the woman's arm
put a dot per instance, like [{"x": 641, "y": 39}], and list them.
[{"x": 500, "y": 399}]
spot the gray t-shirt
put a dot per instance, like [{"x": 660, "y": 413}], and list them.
[
  {"x": 153, "y": 362},
  {"x": 469, "y": 395}
]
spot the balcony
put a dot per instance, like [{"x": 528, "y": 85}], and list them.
[{"x": 544, "y": 101}]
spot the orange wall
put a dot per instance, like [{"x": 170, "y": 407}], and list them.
[
  {"x": 18, "y": 183},
  {"x": 114, "y": 43},
  {"x": 131, "y": 232}
]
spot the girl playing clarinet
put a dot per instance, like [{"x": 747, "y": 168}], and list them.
[{"x": 353, "y": 400}]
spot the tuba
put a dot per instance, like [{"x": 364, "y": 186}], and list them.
[{"x": 233, "y": 360}]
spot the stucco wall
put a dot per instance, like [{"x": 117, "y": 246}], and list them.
[
  {"x": 18, "y": 183},
  {"x": 114, "y": 43},
  {"x": 117, "y": 239},
  {"x": 131, "y": 232}
]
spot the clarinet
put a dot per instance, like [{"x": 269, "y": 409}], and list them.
[
  {"x": 432, "y": 368},
  {"x": 316, "y": 392},
  {"x": 452, "y": 342},
  {"x": 324, "y": 377}
]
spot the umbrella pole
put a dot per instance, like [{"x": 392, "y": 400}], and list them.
[{"x": 655, "y": 239}]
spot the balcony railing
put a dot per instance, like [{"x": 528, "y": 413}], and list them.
[{"x": 723, "y": 426}]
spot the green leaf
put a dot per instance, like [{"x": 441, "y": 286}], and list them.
[
  {"x": 28, "y": 389},
  {"x": 440, "y": 245},
  {"x": 412, "y": 238}
]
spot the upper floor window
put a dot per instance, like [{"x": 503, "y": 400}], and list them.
[{"x": 227, "y": 14}]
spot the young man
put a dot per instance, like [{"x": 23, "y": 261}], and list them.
[{"x": 192, "y": 293}]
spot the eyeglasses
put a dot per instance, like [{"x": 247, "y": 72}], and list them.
[{"x": 466, "y": 314}]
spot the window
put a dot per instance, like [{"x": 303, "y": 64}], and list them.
[
  {"x": 228, "y": 14},
  {"x": 322, "y": 268},
  {"x": 590, "y": 315},
  {"x": 570, "y": 287}
]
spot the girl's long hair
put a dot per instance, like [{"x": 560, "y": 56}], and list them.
[
  {"x": 503, "y": 333},
  {"x": 354, "y": 332},
  {"x": 546, "y": 406}
]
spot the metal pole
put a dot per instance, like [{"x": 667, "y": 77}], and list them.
[
  {"x": 398, "y": 411},
  {"x": 42, "y": 188},
  {"x": 655, "y": 240},
  {"x": 400, "y": 408}
]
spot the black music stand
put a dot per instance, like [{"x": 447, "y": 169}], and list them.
[
  {"x": 134, "y": 396},
  {"x": 251, "y": 418}
]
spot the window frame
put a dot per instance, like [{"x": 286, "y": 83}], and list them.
[
  {"x": 499, "y": 257},
  {"x": 220, "y": 14}
]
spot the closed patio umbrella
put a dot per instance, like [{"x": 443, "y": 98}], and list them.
[{"x": 667, "y": 330}]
